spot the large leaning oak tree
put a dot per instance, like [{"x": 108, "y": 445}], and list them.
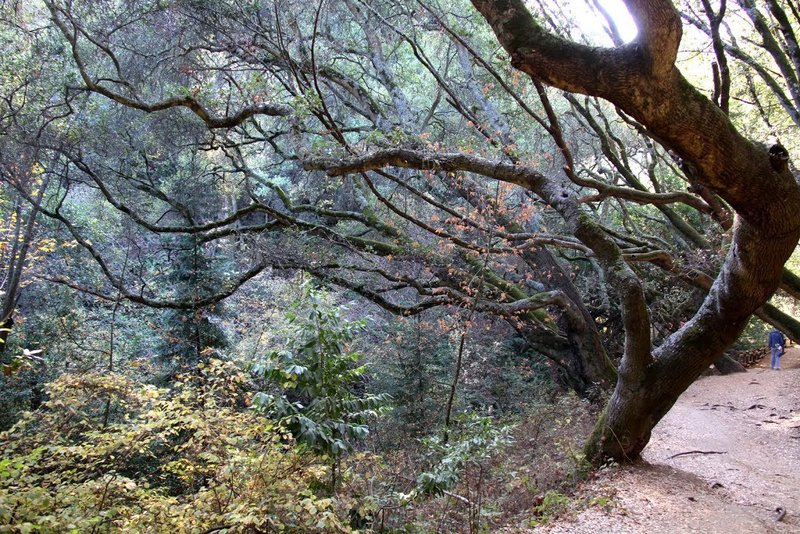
[
  {"x": 642, "y": 79},
  {"x": 390, "y": 148}
]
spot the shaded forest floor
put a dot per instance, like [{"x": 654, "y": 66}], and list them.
[{"x": 747, "y": 425}]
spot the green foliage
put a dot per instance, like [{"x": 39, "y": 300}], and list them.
[
  {"x": 184, "y": 461},
  {"x": 192, "y": 335},
  {"x": 110, "y": 452},
  {"x": 554, "y": 504},
  {"x": 316, "y": 379},
  {"x": 409, "y": 366},
  {"x": 27, "y": 360},
  {"x": 754, "y": 335},
  {"x": 477, "y": 439}
]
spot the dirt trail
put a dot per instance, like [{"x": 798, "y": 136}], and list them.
[{"x": 749, "y": 424}]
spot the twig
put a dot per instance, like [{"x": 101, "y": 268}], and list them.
[
  {"x": 459, "y": 498},
  {"x": 715, "y": 406},
  {"x": 696, "y": 452}
]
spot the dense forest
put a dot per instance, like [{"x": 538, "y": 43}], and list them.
[{"x": 375, "y": 265}]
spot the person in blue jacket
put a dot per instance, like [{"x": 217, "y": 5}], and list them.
[{"x": 778, "y": 345}]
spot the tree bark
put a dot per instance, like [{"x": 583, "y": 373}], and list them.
[
  {"x": 780, "y": 320},
  {"x": 589, "y": 360},
  {"x": 727, "y": 365},
  {"x": 790, "y": 283}
]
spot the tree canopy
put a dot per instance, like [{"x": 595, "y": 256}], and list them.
[{"x": 621, "y": 208}]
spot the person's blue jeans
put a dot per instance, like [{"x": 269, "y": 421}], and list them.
[{"x": 776, "y": 357}]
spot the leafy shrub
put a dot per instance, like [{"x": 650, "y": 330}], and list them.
[
  {"x": 478, "y": 439},
  {"x": 185, "y": 461},
  {"x": 316, "y": 380},
  {"x": 554, "y": 504}
]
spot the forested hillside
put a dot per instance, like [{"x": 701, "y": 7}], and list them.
[{"x": 375, "y": 265}]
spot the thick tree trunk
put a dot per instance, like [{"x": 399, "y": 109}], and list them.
[
  {"x": 780, "y": 320},
  {"x": 790, "y": 283},
  {"x": 727, "y": 365},
  {"x": 588, "y": 358},
  {"x": 568, "y": 357},
  {"x": 644, "y": 395}
]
